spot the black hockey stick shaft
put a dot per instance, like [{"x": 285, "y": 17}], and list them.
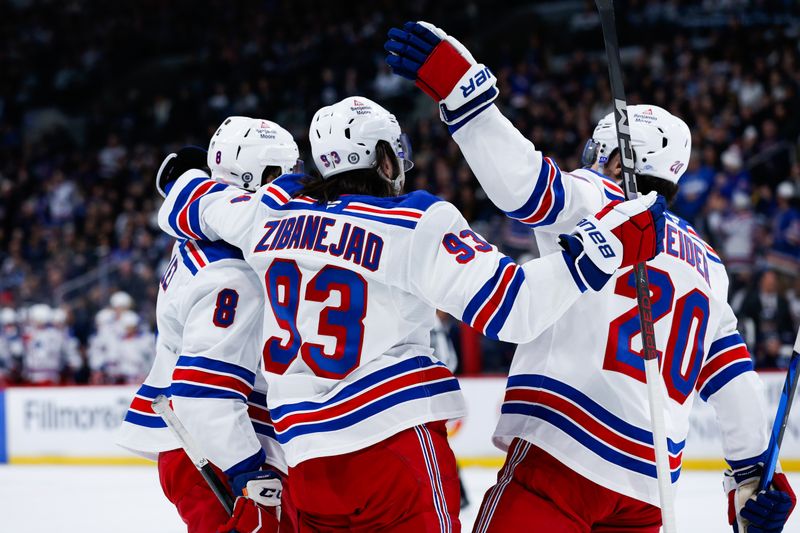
[
  {"x": 217, "y": 487},
  {"x": 162, "y": 408},
  {"x": 606, "y": 8},
  {"x": 649, "y": 350}
]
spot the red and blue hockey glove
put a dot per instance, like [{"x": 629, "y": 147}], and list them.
[
  {"x": 257, "y": 507},
  {"x": 621, "y": 235},
  {"x": 757, "y": 512},
  {"x": 176, "y": 163},
  {"x": 443, "y": 68}
]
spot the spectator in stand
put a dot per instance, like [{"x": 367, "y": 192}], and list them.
[
  {"x": 772, "y": 353},
  {"x": 695, "y": 187},
  {"x": 733, "y": 179},
  {"x": 786, "y": 228},
  {"x": 111, "y": 157},
  {"x": 79, "y": 146},
  {"x": 768, "y": 310},
  {"x": 793, "y": 297},
  {"x": 735, "y": 229}
]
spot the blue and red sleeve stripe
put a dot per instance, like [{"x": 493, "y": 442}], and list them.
[
  {"x": 259, "y": 414},
  {"x": 488, "y": 310},
  {"x": 141, "y": 411},
  {"x": 202, "y": 377},
  {"x": 727, "y": 358},
  {"x": 546, "y": 201},
  {"x": 184, "y": 217}
]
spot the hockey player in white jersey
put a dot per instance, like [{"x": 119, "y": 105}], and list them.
[
  {"x": 209, "y": 349},
  {"x": 46, "y": 357},
  {"x": 575, "y": 417},
  {"x": 12, "y": 347},
  {"x": 100, "y": 344},
  {"x": 119, "y": 303},
  {"x": 70, "y": 343},
  {"x": 353, "y": 273},
  {"x": 132, "y": 354},
  {"x": 120, "y": 351}
]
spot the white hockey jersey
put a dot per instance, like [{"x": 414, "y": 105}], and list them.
[
  {"x": 101, "y": 344},
  {"x": 208, "y": 352},
  {"x": 130, "y": 357},
  {"x": 578, "y": 390},
  {"x": 46, "y": 355},
  {"x": 12, "y": 348},
  {"x": 351, "y": 287}
]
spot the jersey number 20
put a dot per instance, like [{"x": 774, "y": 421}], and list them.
[
  {"x": 343, "y": 322},
  {"x": 686, "y": 334}
]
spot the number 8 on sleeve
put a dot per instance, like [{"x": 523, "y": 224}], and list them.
[{"x": 225, "y": 311}]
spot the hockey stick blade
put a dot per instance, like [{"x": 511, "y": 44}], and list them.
[
  {"x": 781, "y": 417},
  {"x": 162, "y": 408}
]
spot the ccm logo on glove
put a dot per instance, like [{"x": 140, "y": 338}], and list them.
[{"x": 267, "y": 492}]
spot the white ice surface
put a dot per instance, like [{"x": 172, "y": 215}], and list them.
[{"x": 72, "y": 499}]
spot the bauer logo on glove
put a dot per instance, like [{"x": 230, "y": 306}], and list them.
[
  {"x": 443, "y": 68},
  {"x": 597, "y": 237},
  {"x": 620, "y": 235},
  {"x": 476, "y": 81}
]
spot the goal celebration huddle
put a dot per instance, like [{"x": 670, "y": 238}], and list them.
[{"x": 295, "y": 322}]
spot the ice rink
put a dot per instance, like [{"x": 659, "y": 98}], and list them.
[{"x": 89, "y": 499}]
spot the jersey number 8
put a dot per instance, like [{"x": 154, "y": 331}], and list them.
[{"x": 225, "y": 311}]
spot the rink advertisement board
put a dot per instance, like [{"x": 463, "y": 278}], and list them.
[
  {"x": 76, "y": 425},
  {"x": 65, "y": 424}
]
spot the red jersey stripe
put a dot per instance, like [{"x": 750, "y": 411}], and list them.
[
  {"x": 183, "y": 216},
  {"x": 430, "y": 374},
  {"x": 206, "y": 378},
  {"x": 589, "y": 424},
  {"x": 495, "y": 300}
]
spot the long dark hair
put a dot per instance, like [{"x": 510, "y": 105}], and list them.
[
  {"x": 645, "y": 183},
  {"x": 667, "y": 189},
  {"x": 366, "y": 181}
]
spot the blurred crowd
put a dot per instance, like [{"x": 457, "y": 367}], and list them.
[
  {"x": 93, "y": 95},
  {"x": 38, "y": 346}
]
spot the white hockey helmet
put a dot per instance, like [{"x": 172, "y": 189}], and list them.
[
  {"x": 121, "y": 300},
  {"x": 104, "y": 318},
  {"x": 344, "y": 135},
  {"x": 662, "y": 142},
  {"x": 243, "y": 147},
  {"x": 59, "y": 316},
  {"x": 8, "y": 316},
  {"x": 129, "y": 320},
  {"x": 40, "y": 314}
]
